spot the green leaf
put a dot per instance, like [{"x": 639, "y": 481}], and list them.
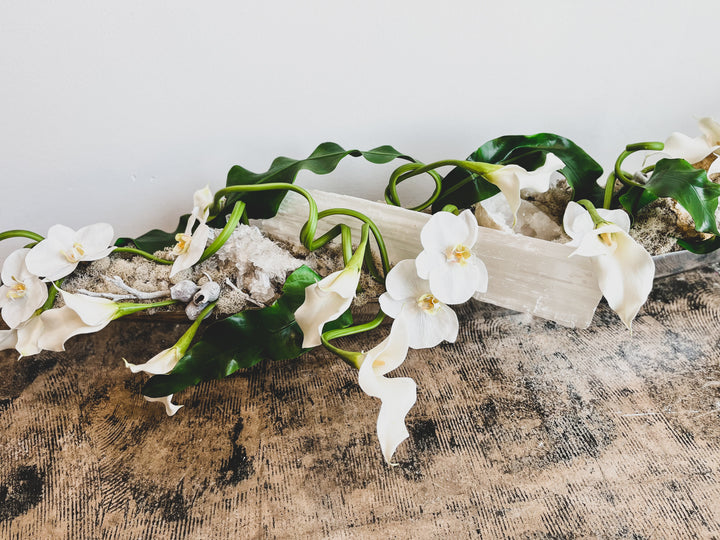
[
  {"x": 323, "y": 160},
  {"x": 156, "y": 239},
  {"x": 463, "y": 189},
  {"x": 244, "y": 339},
  {"x": 690, "y": 187},
  {"x": 702, "y": 246},
  {"x": 636, "y": 198}
]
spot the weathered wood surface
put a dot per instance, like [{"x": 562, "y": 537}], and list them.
[{"x": 523, "y": 429}]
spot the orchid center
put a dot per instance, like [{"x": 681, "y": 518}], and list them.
[
  {"x": 459, "y": 254},
  {"x": 428, "y": 303},
  {"x": 17, "y": 290},
  {"x": 183, "y": 243},
  {"x": 75, "y": 254}
]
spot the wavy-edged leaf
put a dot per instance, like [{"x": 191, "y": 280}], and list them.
[
  {"x": 323, "y": 160},
  {"x": 463, "y": 189},
  {"x": 244, "y": 339},
  {"x": 690, "y": 187}
]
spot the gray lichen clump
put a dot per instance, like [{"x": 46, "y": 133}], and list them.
[{"x": 250, "y": 269}]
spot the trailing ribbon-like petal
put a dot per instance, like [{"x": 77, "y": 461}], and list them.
[
  {"x": 397, "y": 395},
  {"x": 170, "y": 407}
]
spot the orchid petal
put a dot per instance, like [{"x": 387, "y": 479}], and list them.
[
  {"x": 46, "y": 260},
  {"x": 97, "y": 241},
  {"x": 426, "y": 330},
  {"x": 626, "y": 277},
  {"x": 325, "y": 301},
  {"x": 444, "y": 229},
  {"x": 170, "y": 407},
  {"x": 454, "y": 283},
  {"x": 194, "y": 252},
  {"x": 426, "y": 261},
  {"x": 161, "y": 363},
  {"x": 23, "y": 293},
  {"x": 93, "y": 311},
  {"x": 714, "y": 167},
  {"x": 403, "y": 281},
  {"x": 397, "y": 395}
]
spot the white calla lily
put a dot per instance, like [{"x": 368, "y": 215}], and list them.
[
  {"x": 170, "y": 407},
  {"x": 325, "y": 301},
  {"x": 161, "y": 363},
  {"x": 625, "y": 271},
  {"x": 694, "y": 149},
  {"x": 64, "y": 248},
  {"x": 22, "y": 293},
  {"x": 191, "y": 245},
  {"x": 8, "y": 339},
  {"x": 455, "y": 274},
  {"x": 512, "y": 179},
  {"x": 397, "y": 395},
  {"x": 408, "y": 297}
]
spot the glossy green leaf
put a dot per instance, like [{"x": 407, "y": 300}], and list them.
[
  {"x": 690, "y": 187},
  {"x": 323, "y": 160},
  {"x": 156, "y": 239},
  {"x": 636, "y": 198},
  {"x": 701, "y": 247},
  {"x": 463, "y": 189},
  {"x": 244, "y": 339}
]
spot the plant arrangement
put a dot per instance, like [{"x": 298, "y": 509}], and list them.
[{"x": 290, "y": 309}]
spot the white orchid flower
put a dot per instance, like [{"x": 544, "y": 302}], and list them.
[
  {"x": 170, "y": 407},
  {"x": 408, "y": 297},
  {"x": 22, "y": 293},
  {"x": 455, "y": 274},
  {"x": 397, "y": 395},
  {"x": 512, "y": 179},
  {"x": 59, "y": 254},
  {"x": 694, "y": 149},
  {"x": 191, "y": 245},
  {"x": 325, "y": 301},
  {"x": 625, "y": 271}
]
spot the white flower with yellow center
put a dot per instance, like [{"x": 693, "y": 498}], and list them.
[
  {"x": 624, "y": 270},
  {"x": 397, "y": 395},
  {"x": 694, "y": 149},
  {"x": 408, "y": 298},
  {"x": 455, "y": 274},
  {"x": 63, "y": 249},
  {"x": 22, "y": 293}
]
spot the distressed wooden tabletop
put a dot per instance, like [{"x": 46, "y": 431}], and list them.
[{"x": 522, "y": 429}]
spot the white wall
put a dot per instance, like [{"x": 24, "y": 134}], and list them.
[{"x": 117, "y": 111}]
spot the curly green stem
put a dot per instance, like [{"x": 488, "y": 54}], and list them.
[
  {"x": 228, "y": 229},
  {"x": 141, "y": 253},
  {"x": 629, "y": 150},
  {"x": 353, "y": 359},
  {"x": 21, "y": 233}
]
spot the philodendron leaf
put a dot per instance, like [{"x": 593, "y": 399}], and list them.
[
  {"x": 244, "y": 339},
  {"x": 636, "y": 198},
  {"x": 156, "y": 239},
  {"x": 702, "y": 246},
  {"x": 690, "y": 187},
  {"x": 323, "y": 160},
  {"x": 463, "y": 189}
]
